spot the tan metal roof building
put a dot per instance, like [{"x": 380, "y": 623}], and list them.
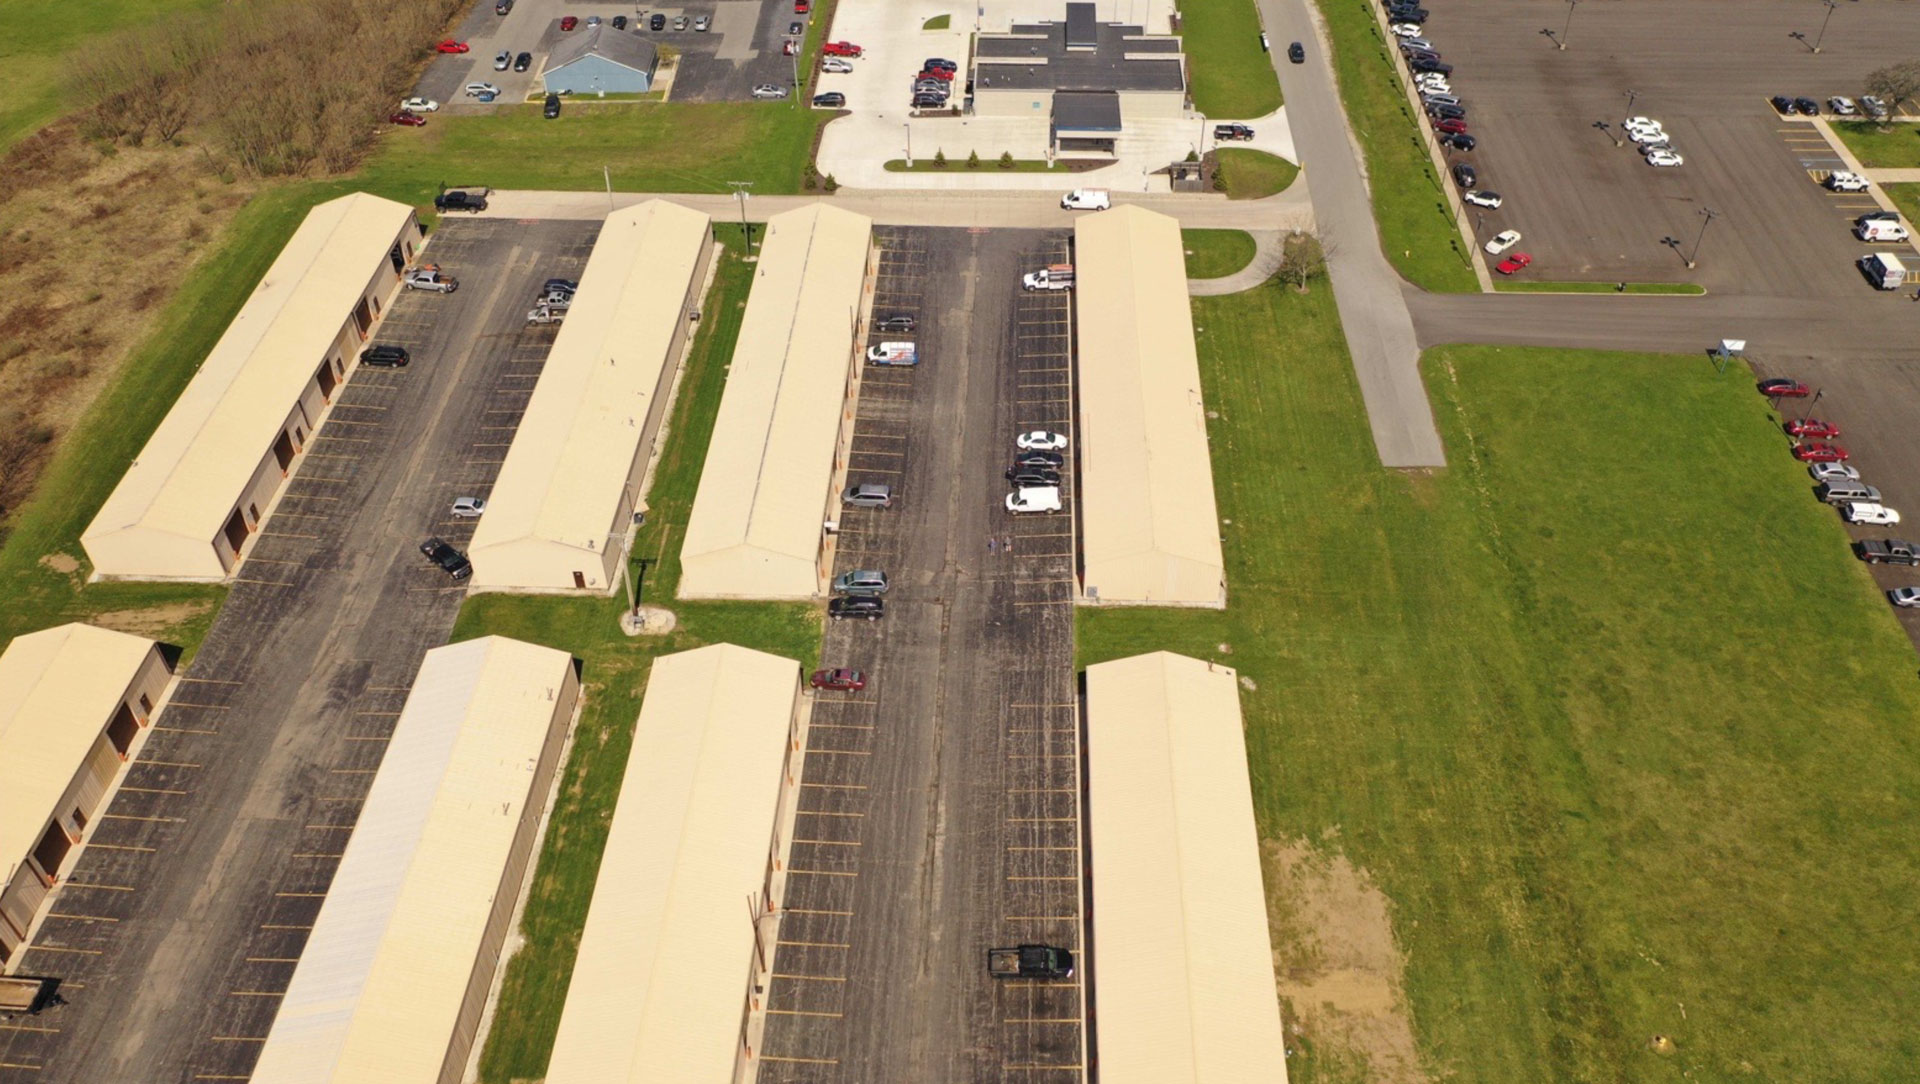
[
  {"x": 190, "y": 499},
  {"x": 72, "y": 700},
  {"x": 394, "y": 977},
  {"x": 766, "y": 490},
  {"x": 1151, "y": 533},
  {"x": 1183, "y": 987},
  {"x": 660, "y": 985},
  {"x": 556, "y": 518}
]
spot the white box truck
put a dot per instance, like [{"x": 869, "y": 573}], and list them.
[
  {"x": 1884, "y": 270},
  {"x": 1087, "y": 199}
]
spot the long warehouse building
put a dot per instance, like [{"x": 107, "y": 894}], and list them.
[
  {"x": 660, "y": 990},
  {"x": 394, "y": 978},
  {"x": 557, "y": 517},
  {"x": 195, "y": 495},
  {"x": 786, "y": 417},
  {"x": 1150, "y": 530},
  {"x": 73, "y": 701},
  {"x": 1183, "y": 986}
]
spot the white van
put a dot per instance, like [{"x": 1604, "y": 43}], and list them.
[
  {"x": 1032, "y": 499},
  {"x": 1087, "y": 199},
  {"x": 1057, "y": 276},
  {"x": 893, "y": 354},
  {"x": 1879, "y": 229},
  {"x": 1884, "y": 270}
]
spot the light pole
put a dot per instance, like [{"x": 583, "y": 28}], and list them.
[
  {"x": 1808, "y": 413},
  {"x": 1631, "y": 95},
  {"x": 909, "y": 127},
  {"x": 740, "y": 192},
  {"x": 1569, "y": 26},
  {"x": 1710, "y": 214},
  {"x": 1607, "y": 130},
  {"x": 1831, "y": 4}
]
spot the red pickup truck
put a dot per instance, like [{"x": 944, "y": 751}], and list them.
[{"x": 841, "y": 48}]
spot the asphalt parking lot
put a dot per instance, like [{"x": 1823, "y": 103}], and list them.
[
  {"x": 742, "y": 48},
  {"x": 940, "y": 808},
  {"x": 1589, "y": 210},
  {"x": 178, "y": 929}
]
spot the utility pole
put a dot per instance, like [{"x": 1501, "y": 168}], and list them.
[
  {"x": 1631, "y": 95},
  {"x": 606, "y": 172},
  {"x": 740, "y": 192},
  {"x": 1831, "y": 4},
  {"x": 1569, "y": 26},
  {"x": 909, "y": 127},
  {"x": 1710, "y": 214}
]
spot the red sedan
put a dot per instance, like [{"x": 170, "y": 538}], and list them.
[
  {"x": 801, "y": 7},
  {"x": 841, "y": 680},
  {"x": 1782, "y": 388},
  {"x": 1516, "y": 262},
  {"x": 451, "y": 46},
  {"x": 411, "y": 120},
  {"x": 1812, "y": 427},
  {"x": 1451, "y": 126},
  {"x": 1820, "y": 453},
  {"x": 569, "y": 22}
]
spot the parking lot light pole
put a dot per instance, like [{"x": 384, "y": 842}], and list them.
[
  {"x": 1631, "y": 95},
  {"x": 1808, "y": 413},
  {"x": 909, "y": 127},
  {"x": 1569, "y": 26},
  {"x": 741, "y": 193},
  {"x": 1710, "y": 214},
  {"x": 1831, "y": 4}
]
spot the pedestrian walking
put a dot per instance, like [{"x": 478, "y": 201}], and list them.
[
  {"x": 1916, "y": 295},
  {"x": 1007, "y": 544},
  {"x": 989, "y": 544}
]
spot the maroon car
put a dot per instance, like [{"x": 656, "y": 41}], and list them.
[
  {"x": 1820, "y": 453},
  {"x": 1451, "y": 126},
  {"x": 841, "y": 680},
  {"x": 1781, "y": 388},
  {"x": 569, "y": 22},
  {"x": 411, "y": 120},
  {"x": 1812, "y": 427}
]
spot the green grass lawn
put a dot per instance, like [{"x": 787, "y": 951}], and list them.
[
  {"x": 1907, "y": 198},
  {"x": 41, "y": 35},
  {"x": 1230, "y": 76},
  {"x": 1417, "y": 231},
  {"x": 1214, "y": 254},
  {"x": 1568, "y": 721},
  {"x": 938, "y": 22},
  {"x": 1896, "y": 146},
  {"x": 1513, "y": 286},
  {"x": 614, "y": 672},
  {"x": 1249, "y": 174}
]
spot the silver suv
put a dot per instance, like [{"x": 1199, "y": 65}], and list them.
[
  {"x": 862, "y": 581},
  {"x": 868, "y": 495}
]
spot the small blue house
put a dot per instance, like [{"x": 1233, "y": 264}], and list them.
[{"x": 601, "y": 61}]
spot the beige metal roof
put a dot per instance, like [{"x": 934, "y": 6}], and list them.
[
  {"x": 757, "y": 517},
  {"x": 59, "y": 689},
  {"x": 161, "y": 519},
  {"x": 1183, "y": 968},
  {"x": 381, "y": 981},
  {"x": 553, "y": 508},
  {"x": 661, "y": 979},
  {"x": 1151, "y": 532}
]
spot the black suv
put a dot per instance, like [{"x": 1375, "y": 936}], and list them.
[
  {"x": 870, "y": 608},
  {"x": 385, "y": 356},
  {"x": 523, "y": 62},
  {"x": 658, "y": 22},
  {"x": 1463, "y": 174},
  {"x": 457, "y": 200},
  {"x": 1032, "y": 476},
  {"x": 501, "y": 7},
  {"x": 832, "y": 99},
  {"x": 619, "y": 22},
  {"x": 1232, "y": 132},
  {"x": 899, "y": 321},
  {"x": 1297, "y": 53},
  {"x": 552, "y": 108},
  {"x": 456, "y": 564}
]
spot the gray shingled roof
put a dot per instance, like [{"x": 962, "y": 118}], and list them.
[{"x": 623, "y": 48}]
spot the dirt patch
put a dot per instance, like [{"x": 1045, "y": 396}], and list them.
[
  {"x": 1337, "y": 965},
  {"x": 152, "y": 621},
  {"x": 64, "y": 563}
]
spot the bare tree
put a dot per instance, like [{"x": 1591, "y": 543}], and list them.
[
  {"x": 1303, "y": 258},
  {"x": 1895, "y": 84}
]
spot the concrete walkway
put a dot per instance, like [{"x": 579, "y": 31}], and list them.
[
  {"x": 1267, "y": 251},
  {"x": 1380, "y": 335}
]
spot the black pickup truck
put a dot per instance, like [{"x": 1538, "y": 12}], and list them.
[
  {"x": 460, "y": 199},
  {"x": 1887, "y": 551},
  {"x": 1030, "y": 962}
]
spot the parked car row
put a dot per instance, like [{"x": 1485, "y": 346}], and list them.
[
  {"x": 933, "y": 86},
  {"x": 1840, "y": 104},
  {"x": 857, "y": 594},
  {"x": 1035, "y": 475},
  {"x": 1647, "y": 134},
  {"x": 551, "y": 302},
  {"x": 1838, "y": 483}
]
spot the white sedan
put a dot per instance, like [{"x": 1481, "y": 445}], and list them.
[
  {"x": 1405, "y": 30},
  {"x": 1876, "y": 515},
  {"x": 837, "y": 64},
  {"x": 1664, "y": 157},
  {"x": 1042, "y": 441},
  {"x": 1503, "y": 241},
  {"x": 1482, "y": 199},
  {"x": 420, "y": 105},
  {"x": 769, "y": 90},
  {"x": 1646, "y": 135},
  {"x": 1904, "y": 596},
  {"x": 1833, "y": 472}
]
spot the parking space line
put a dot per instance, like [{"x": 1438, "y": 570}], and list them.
[
  {"x": 69, "y": 951},
  {"x": 800, "y": 1061},
  {"x": 810, "y": 978},
  {"x": 101, "y": 888},
  {"x": 262, "y": 583},
  {"x": 256, "y": 993},
  {"x": 273, "y": 959},
  {"x": 822, "y": 873},
  {"x": 158, "y": 790},
  {"x": 839, "y": 752},
  {"x": 80, "y": 918},
  {"x": 802, "y": 1012},
  {"x": 814, "y": 944},
  {"x": 830, "y": 842},
  {"x": 127, "y": 817}
]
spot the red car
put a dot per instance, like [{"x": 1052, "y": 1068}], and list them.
[
  {"x": 801, "y": 7},
  {"x": 941, "y": 74},
  {"x": 569, "y": 22},
  {"x": 1451, "y": 126},
  {"x": 1516, "y": 262},
  {"x": 791, "y": 47},
  {"x": 841, "y": 48},
  {"x": 841, "y": 680},
  {"x": 411, "y": 120},
  {"x": 1781, "y": 388},
  {"x": 452, "y": 46},
  {"x": 1820, "y": 453},
  {"x": 1812, "y": 427}
]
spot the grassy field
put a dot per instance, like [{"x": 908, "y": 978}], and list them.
[
  {"x": 614, "y": 671},
  {"x": 1907, "y": 198},
  {"x": 1511, "y": 286},
  {"x": 1417, "y": 232},
  {"x": 1895, "y": 146},
  {"x": 1231, "y": 77},
  {"x": 1568, "y": 722},
  {"x": 1248, "y": 174},
  {"x": 1213, "y": 254},
  {"x": 41, "y": 36}
]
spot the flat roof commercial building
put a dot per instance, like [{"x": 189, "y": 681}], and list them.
[
  {"x": 73, "y": 701},
  {"x": 196, "y": 493},
  {"x": 786, "y": 417},
  {"x": 392, "y": 982},
  {"x": 666, "y": 961},
  {"x": 1151, "y": 532},
  {"x": 1183, "y": 986},
  {"x": 557, "y": 517},
  {"x": 1087, "y": 76}
]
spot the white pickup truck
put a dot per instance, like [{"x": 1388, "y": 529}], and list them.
[{"x": 1057, "y": 277}]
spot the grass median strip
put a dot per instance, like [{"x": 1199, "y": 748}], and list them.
[
  {"x": 614, "y": 672},
  {"x": 1539, "y": 703},
  {"x": 1231, "y": 76},
  {"x": 1878, "y": 146},
  {"x": 1417, "y": 231},
  {"x": 1215, "y": 254}
]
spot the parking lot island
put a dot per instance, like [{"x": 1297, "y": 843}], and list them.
[
  {"x": 559, "y": 514},
  {"x": 197, "y": 494},
  {"x": 780, "y": 439}
]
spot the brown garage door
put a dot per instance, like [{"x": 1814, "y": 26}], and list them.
[
  {"x": 53, "y": 849},
  {"x": 236, "y": 531}
]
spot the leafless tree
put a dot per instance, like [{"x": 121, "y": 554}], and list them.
[
  {"x": 1303, "y": 258},
  {"x": 1895, "y": 84}
]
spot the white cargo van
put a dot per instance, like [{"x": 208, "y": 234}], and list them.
[
  {"x": 1884, "y": 270},
  {"x": 1056, "y": 277},
  {"x": 1879, "y": 229},
  {"x": 893, "y": 354},
  {"x": 1087, "y": 199}
]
